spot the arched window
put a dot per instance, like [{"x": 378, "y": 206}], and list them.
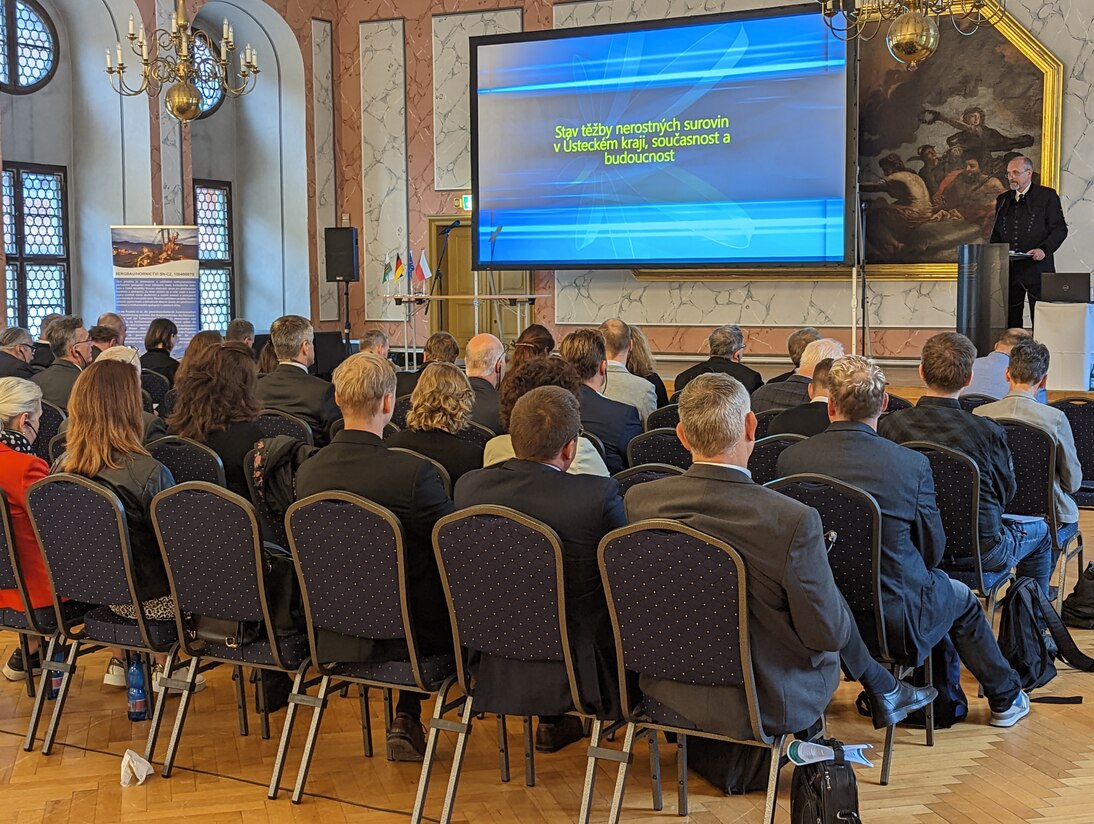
[
  {"x": 207, "y": 80},
  {"x": 28, "y": 47}
]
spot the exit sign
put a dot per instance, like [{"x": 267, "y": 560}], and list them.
[{"x": 465, "y": 202}]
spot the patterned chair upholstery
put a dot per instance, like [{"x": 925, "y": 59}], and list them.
[
  {"x": 897, "y": 403},
  {"x": 52, "y": 416},
  {"x": 1080, "y": 414},
  {"x": 188, "y": 460},
  {"x": 215, "y": 562},
  {"x": 272, "y": 423},
  {"x": 658, "y": 446},
  {"x": 402, "y": 409},
  {"x": 646, "y": 566},
  {"x": 82, "y": 530},
  {"x": 664, "y": 418},
  {"x": 368, "y": 598},
  {"x": 765, "y": 456},
  {"x": 643, "y": 473},
  {"x": 763, "y": 422},
  {"x": 156, "y": 385},
  {"x": 167, "y": 406},
  {"x": 476, "y": 433},
  {"x": 57, "y": 445},
  {"x": 972, "y": 400}
]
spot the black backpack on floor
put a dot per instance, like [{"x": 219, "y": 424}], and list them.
[
  {"x": 825, "y": 792},
  {"x": 1078, "y": 609}
]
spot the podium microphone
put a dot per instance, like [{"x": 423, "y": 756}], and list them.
[{"x": 450, "y": 227}]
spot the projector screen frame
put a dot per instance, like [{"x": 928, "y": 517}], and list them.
[{"x": 705, "y": 270}]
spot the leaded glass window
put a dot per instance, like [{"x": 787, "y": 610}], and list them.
[
  {"x": 213, "y": 215},
  {"x": 207, "y": 80},
  {"x": 28, "y": 47}
]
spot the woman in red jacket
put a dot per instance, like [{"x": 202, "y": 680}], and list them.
[{"x": 20, "y": 411}]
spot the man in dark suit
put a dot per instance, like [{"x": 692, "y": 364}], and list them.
[
  {"x": 484, "y": 359},
  {"x": 921, "y": 603},
  {"x": 440, "y": 346},
  {"x": 357, "y": 461},
  {"x": 289, "y": 388},
  {"x": 794, "y": 391},
  {"x": 43, "y": 355},
  {"x": 582, "y": 509},
  {"x": 69, "y": 343},
  {"x": 801, "y": 627},
  {"x": 727, "y": 345},
  {"x": 613, "y": 422},
  {"x": 809, "y": 418},
  {"x": 16, "y": 350},
  {"x": 1030, "y": 219},
  {"x": 795, "y": 346}
]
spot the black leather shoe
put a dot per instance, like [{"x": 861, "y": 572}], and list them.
[
  {"x": 553, "y": 737},
  {"x": 893, "y": 707},
  {"x": 405, "y": 739}
]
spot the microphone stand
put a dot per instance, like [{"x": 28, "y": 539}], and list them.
[
  {"x": 863, "y": 302},
  {"x": 440, "y": 272},
  {"x": 346, "y": 333}
]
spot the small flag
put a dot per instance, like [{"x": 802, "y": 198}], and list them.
[
  {"x": 400, "y": 270},
  {"x": 388, "y": 273},
  {"x": 410, "y": 265},
  {"x": 423, "y": 267}
]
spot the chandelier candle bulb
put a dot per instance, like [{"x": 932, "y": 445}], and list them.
[
  {"x": 109, "y": 67},
  {"x": 223, "y": 51},
  {"x": 131, "y": 27},
  {"x": 121, "y": 65},
  {"x": 224, "y": 34},
  {"x": 144, "y": 51}
]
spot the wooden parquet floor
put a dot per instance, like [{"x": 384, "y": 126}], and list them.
[{"x": 1041, "y": 771}]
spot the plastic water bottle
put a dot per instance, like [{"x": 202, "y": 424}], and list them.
[
  {"x": 138, "y": 700},
  {"x": 55, "y": 677}
]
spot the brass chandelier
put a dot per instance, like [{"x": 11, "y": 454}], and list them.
[
  {"x": 181, "y": 59},
  {"x": 913, "y": 31}
]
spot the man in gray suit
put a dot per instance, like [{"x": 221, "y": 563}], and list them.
[
  {"x": 620, "y": 385},
  {"x": 801, "y": 626}
]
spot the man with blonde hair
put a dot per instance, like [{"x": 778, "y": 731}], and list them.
[
  {"x": 922, "y": 604},
  {"x": 357, "y": 461},
  {"x": 289, "y": 388},
  {"x": 484, "y": 358},
  {"x": 795, "y": 389},
  {"x": 620, "y": 385}
]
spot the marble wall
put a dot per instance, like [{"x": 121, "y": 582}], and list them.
[{"x": 326, "y": 179}]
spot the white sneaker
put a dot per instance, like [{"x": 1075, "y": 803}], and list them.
[
  {"x": 157, "y": 673},
  {"x": 1013, "y": 714},
  {"x": 115, "y": 674}
]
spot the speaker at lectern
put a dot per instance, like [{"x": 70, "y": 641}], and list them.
[{"x": 982, "y": 282}]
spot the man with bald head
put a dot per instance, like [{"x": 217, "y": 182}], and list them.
[
  {"x": 115, "y": 322},
  {"x": 620, "y": 385},
  {"x": 485, "y": 362}
]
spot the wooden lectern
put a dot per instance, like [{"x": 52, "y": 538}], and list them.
[{"x": 982, "y": 284}]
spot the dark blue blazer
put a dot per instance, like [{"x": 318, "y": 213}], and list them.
[{"x": 613, "y": 422}]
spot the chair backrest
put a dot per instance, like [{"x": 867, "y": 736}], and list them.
[
  {"x": 390, "y": 429},
  {"x": 1033, "y": 454},
  {"x": 476, "y": 433},
  {"x": 502, "y": 577},
  {"x": 57, "y": 445},
  {"x": 647, "y": 567},
  {"x": 664, "y": 418},
  {"x": 167, "y": 405},
  {"x": 957, "y": 487},
  {"x": 896, "y": 402},
  {"x": 972, "y": 400},
  {"x": 146, "y": 402},
  {"x": 335, "y": 427},
  {"x": 658, "y": 446},
  {"x": 272, "y": 529},
  {"x": 598, "y": 444},
  {"x": 763, "y": 422},
  {"x": 188, "y": 460},
  {"x": 402, "y": 408},
  {"x": 351, "y": 560},
  {"x": 50, "y": 423},
  {"x": 855, "y": 557},
  {"x": 644, "y": 473},
  {"x": 446, "y": 479},
  {"x": 11, "y": 569},
  {"x": 155, "y": 385},
  {"x": 272, "y": 423},
  {"x": 765, "y": 456},
  {"x": 1080, "y": 414}
]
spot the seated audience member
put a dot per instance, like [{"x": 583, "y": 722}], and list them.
[
  {"x": 795, "y": 345},
  {"x": 267, "y": 359},
  {"x": 809, "y": 418},
  {"x": 727, "y": 345},
  {"x": 204, "y": 341},
  {"x": 441, "y": 347},
  {"x": 800, "y": 623},
  {"x": 613, "y": 422},
  {"x": 794, "y": 391},
  {"x": 216, "y": 406},
  {"x": 240, "y": 331},
  {"x": 582, "y": 509},
  {"x": 70, "y": 346},
  {"x": 357, "y": 461},
  {"x": 440, "y": 408},
  {"x": 641, "y": 362},
  {"x": 946, "y": 368},
  {"x": 534, "y": 342},
  {"x": 526, "y": 377},
  {"x": 16, "y": 351},
  {"x": 20, "y": 410},
  {"x": 153, "y": 426},
  {"x": 289, "y": 388},
  {"x": 619, "y": 384},
  {"x": 115, "y": 322},
  {"x": 159, "y": 340},
  {"x": 102, "y": 338},
  {"x": 921, "y": 603},
  {"x": 1027, "y": 374},
  {"x": 376, "y": 342},
  {"x": 485, "y": 362},
  {"x": 989, "y": 373},
  {"x": 43, "y": 352}
]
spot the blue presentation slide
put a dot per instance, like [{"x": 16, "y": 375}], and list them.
[{"x": 720, "y": 142}]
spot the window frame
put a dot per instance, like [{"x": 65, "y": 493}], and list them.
[
  {"x": 20, "y": 259},
  {"x": 219, "y": 263},
  {"x": 214, "y": 45},
  {"x": 12, "y": 56}
]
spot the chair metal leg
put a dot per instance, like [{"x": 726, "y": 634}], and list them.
[
  {"x": 503, "y": 750},
  {"x": 655, "y": 772},
  {"x": 681, "y": 775},
  {"x": 887, "y": 756},
  {"x": 621, "y": 776},
  {"x": 309, "y": 743},
  {"x": 462, "y": 737},
  {"x": 773, "y": 779},
  {"x": 590, "y": 773},
  {"x": 180, "y": 717},
  {"x": 529, "y": 753},
  {"x": 431, "y": 742},
  {"x": 43, "y": 691},
  {"x": 241, "y": 699},
  {"x": 28, "y": 670},
  {"x": 62, "y": 694},
  {"x": 366, "y": 719},
  {"x": 149, "y": 687},
  {"x": 286, "y": 732},
  {"x": 157, "y": 713},
  {"x": 389, "y": 711},
  {"x": 260, "y": 703},
  {"x": 928, "y": 711}
]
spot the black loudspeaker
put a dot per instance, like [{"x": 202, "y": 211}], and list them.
[{"x": 343, "y": 260}]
